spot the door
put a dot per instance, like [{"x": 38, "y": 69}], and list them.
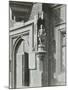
[{"x": 22, "y": 71}]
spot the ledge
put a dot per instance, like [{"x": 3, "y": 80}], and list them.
[{"x": 21, "y": 25}]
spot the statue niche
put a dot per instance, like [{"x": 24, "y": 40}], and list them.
[{"x": 41, "y": 30}]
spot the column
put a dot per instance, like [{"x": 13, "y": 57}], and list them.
[{"x": 10, "y": 14}]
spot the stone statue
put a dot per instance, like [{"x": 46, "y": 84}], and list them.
[{"x": 41, "y": 34}]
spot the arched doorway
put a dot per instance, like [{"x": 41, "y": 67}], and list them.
[{"x": 21, "y": 71}]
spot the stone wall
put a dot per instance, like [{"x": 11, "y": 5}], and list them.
[
  {"x": 37, "y": 7},
  {"x": 53, "y": 17}
]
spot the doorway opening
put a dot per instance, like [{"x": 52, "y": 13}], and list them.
[{"x": 21, "y": 70}]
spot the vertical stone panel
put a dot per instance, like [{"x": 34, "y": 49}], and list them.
[{"x": 37, "y": 7}]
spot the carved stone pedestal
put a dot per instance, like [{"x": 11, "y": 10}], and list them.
[{"x": 41, "y": 57}]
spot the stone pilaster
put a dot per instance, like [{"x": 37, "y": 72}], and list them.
[{"x": 41, "y": 51}]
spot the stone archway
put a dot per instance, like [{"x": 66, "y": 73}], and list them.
[{"x": 21, "y": 71}]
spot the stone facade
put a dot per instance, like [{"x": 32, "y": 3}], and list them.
[{"x": 44, "y": 67}]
